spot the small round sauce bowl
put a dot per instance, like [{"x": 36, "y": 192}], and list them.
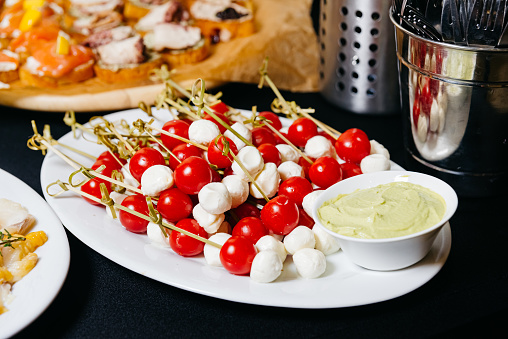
[{"x": 388, "y": 254}]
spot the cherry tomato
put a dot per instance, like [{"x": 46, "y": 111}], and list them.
[
  {"x": 131, "y": 222},
  {"x": 305, "y": 165},
  {"x": 305, "y": 219},
  {"x": 246, "y": 210},
  {"x": 270, "y": 153},
  {"x": 274, "y": 118},
  {"x": 220, "y": 107},
  {"x": 107, "y": 155},
  {"x": 174, "y": 205},
  {"x": 192, "y": 174},
  {"x": 92, "y": 187},
  {"x": 222, "y": 117},
  {"x": 295, "y": 188},
  {"x": 215, "y": 149},
  {"x": 301, "y": 130},
  {"x": 350, "y": 170},
  {"x": 111, "y": 165},
  {"x": 279, "y": 139},
  {"x": 325, "y": 172},
  {"x": 228, "y": 171},
  {"x": 353, "y": 145},
  {"x": 182, "y": 152},
  {"x": 262, "y": 135},
  {"x": 177, "y": 127},
  {"x": 280, "y": 215},
  {"x": 237, "y": 254},
  {"x": 185, "y": 245},
  {"x": 250, "y": 227},
  {"x": 143, "y": 159}
]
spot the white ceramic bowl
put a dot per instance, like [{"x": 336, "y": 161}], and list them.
[{"x": 390, "y": 253}]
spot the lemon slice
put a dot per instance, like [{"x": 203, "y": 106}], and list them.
[
  {"x": 30, "y": 18},
  {"x": 32, "y": 4},
  {"x": 62, "y": 43}
]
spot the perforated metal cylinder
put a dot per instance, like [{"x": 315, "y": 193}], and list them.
[{"x": 358, "y": 66}]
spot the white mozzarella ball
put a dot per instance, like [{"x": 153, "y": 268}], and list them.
[
  {"x": 203, "y": 131},
  {"x": 154, "y": 233},
  {"x": 325, "y": 242},
  {"x": 117, "y": 199},
  {"x": 290, "y": 169},
  {"x": 377, "y": 148},
  {"x": 266, "y": 267},
  {"x": 268, "y": 180},
  {"x": 212, "y": 253},
  {"x": 310, "y": 263},
  {"x": 374, "y": 163},
  {"x": 309, "y": 199},
  {"x": 215, "y": 198},
  {"x": 251, "y": 159},
  {"x": 156, "y": 179},
  {"x": 241, "y": 129},
  {"x": 270, "y": 243},
  {"x": 287, "y": 153},
  {"x": 319, "y": 146},
  {"x": 300, "y": 237},
  {"x": 210, "y": 222},
  {"x": 238, "y": 189}
]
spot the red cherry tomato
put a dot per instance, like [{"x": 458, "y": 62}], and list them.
[
  {"x": 220, "y": 107},
  {"x": 250, "y": 227},
  {"x": 111, "y": 165},
  {"x": 237, "y": 254},
  {"x": 270, "y": 153},
  {"x": 185, "y": 245},
  {"x": 177, "y": 127},
  {"x": 279, "y": 139},
  {"x": 274, "y": 118},
  {"x": 222, "y": 117},
  {"x": 327, "y": 136},
  {"x": 262, "y": 135},
  {"x": 182, "y": 152},
  {"x": 305, "y": 219},
  {"x": 295, "y": 188},
  {"x": 92, "y": 187},
  {"x": 192, "y": 174},
  {"x": 143, "y": 159},
  {"x": 246, "y": 210},
  {"x": 215, "y": 149},
  {"x": 107, "y": 155},
  {"x": 216, "y": 176},
  {"x": 325, "y": 172},
  {"x": 174, "y": 205},
  {"x": 350, "y": 170},
  {"x": 353, "y": 145},
  {"x": 131, "y": 222},
  {"x": 305, "y": 165},
  {"x": 280, "y": 215},
  {"x": 301, "y": 130}
]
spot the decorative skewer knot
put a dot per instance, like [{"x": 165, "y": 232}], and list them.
[
  {"x": 145, "y": 108},
  {"x": 290, "y": 109},
  {"x": 263, "y": 71},
  {"x": 106, "y": 199},
  {"x": 70, "y": 120},
  {"x": 60, "y": 184},
  {"x": 162, "y": 73},
  {"x": 198, "y": 94},
  {"x": 155, "y": 216},
  {"x": 86, "y": 173}
]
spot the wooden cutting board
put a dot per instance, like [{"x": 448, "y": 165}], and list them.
[{"x": 284, "y": 34}]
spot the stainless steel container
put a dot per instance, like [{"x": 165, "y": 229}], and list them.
[
  {"x": 455, "y": 112},
  {"x": 358, "y": 69}
]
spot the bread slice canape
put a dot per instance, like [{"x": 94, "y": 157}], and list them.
[
  {"x": 172, "y": 11},
  {"x": 179, "y": 44},
  {"x": 122, "y": 56},
  {"x": 223, "y": 21},
  {"x": 46, "y": 67},
  {"x": 136, "y": 9}
]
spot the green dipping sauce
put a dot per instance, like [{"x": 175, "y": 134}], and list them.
[{"x": 385, "y": 211}]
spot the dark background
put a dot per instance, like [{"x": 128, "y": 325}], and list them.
[{"x": 102, "y": 299}]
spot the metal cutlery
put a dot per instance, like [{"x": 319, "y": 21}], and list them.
[
  {"x": 452, "y": 26},
  {"x": 486, "y": 23}
]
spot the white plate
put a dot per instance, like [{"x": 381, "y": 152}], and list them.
[
  {"x": 33, "y": 294},
  {"x": 343, "y": 284}
]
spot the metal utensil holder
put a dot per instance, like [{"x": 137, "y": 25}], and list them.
[
  {"x": 358, "y": 65},
  {"x": 455, "y": 112}
]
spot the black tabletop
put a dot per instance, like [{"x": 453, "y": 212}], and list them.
[{"x": 102, "y": 299}]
